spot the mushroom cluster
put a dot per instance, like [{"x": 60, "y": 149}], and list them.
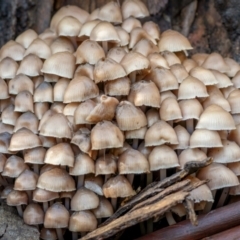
[{"x": 98, "y": 98}]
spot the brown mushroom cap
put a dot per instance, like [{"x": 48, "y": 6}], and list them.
[
  {"x": 33, "y": 214},
  {"x": 20, "y": 83},
  {"x": 27, "y": 180},
  {"x": 56, "y": 216},
  {"x": 17, "y": 198},
  {"x": 56, "y": 180},
  {"x": 41, "y": 195},
  {"x": 104, "y": 209},
  {"x": 82, "y": 221},
  {"x": 117, "y": 187},
  {"x": 84, "y": 199}
]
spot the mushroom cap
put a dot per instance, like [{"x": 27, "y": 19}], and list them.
[
  {"x": 110, "y": 12},
  {"x": 117, "y": 187},
  {"x": 60, "y": 154},
  {"x": 230, "y": 152},
  {"x": 61, "y": 64},
  {"x": 82, "y": 221},
  {"x": 218, "y": 175},
  {"x": 43, "y": 93},
  {"x": 62, "y": 44},
  {"x": 13, "y": 50},
  {"x": 17, "y": 198},
  {"x": 3, "y": 160},
  {"x": 26, "y": 38},
  {"x": 136, "y": 134},
  {"x": 41, "y": 195},
  {"x": 59, "y": 89},
  {"x": 152, "y": 29},
  {"x": 84, "y": 199},
  {"x": 23, "y": 102},
  {"x": 233, "y": 100},
  {"x": 104, "y": 210},
  {"x": 235, "y": 167},
  {"x": 215, "y": 118},
  {"x": 162, "y": 157},
  {"x": 160, "y": 133},
  {"x": 204, "y": 138},
  {"x": 132, "y": 161},
  {"x": 27, "y": 180},
  {"x": 69, "y": 26},
  {"x": 56, "y": 180},
  {"x": 33, "y": 214},
  {"x": 117, "y": 87},
  {"x": 4, "y": 89},
  {"x": 94, "y": 183},
  {"x": 183, "y": 137},
  {"x": 173, "y": 41},
  {"x": 48, "y": 233},
  {"x": 129, "y": 117},
  {"x": 87, "y": 28},
  {"x": 191, "y": 154},
  {"x": 106, "y": 165},
  {"x": 5, "y": 142},
  {"x": 130, "y": 23},
  {"x": 81, "y": 139},
  {"x": 8, "y": 68},
  {"x": 179, "y": 72},
  {"x": 152, "y": 116},
  {"x": 56, "y": 216},
  {"x": 191, "y": 109},
  {"x": 170, "y": 110},
  {"x": 24, "y": 139},
  {"x": 106, "y": 135}
]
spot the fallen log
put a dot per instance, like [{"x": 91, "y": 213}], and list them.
[{"x": 209, "y": 224}]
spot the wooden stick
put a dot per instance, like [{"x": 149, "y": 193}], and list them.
[
  {"x": 230, "y": 234},
  {"x": 209, "y": 224}
]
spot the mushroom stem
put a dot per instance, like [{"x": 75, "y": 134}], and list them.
[
  {"x": 74, "y": 236},
  {"x": 208, "y": 206},
  {"x": 170, "y": 123},
  {"x": 80, "y": 181},
  {"x": 107, "y": 176},
  {"x": 130, "y": 178},
  {"x": 59, "y": 140},
  {"x": 20, "y": 212},
  {"x": 223, "y": 197},
  {"x": 67, "y": 203},
  {"x": 132, "y": 76},
  {"x": 45, "y": 206},
  {"x": 170, "y": 218},
  {"x": 163, "y": 174},
  {"x": 135, "y": 143},
  {"x": 59, "y": 233},
  {"x": 149, "y": 178},
  {"x": 36, "y": 168},
  {"x": 114, "y": 203},
  {"x": 190, "y": 125},
  {"x": 29, "y": 193},
  {"x": 105, "y": 46}
]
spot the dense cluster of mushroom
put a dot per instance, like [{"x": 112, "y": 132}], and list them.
[{"x": 100, "y": 97}]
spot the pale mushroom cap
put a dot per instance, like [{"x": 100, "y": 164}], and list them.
[
  {"x": 87, "y": 28},
  {"x": 30, "y": 66},
  {"x": 173, "y": 41},
  {"x": 24, "y": 139},
  {"x": 106, "y": 135},
  {"x": 223, "y": 80},
  {"x": 234, "y": 67},
  {"x": 59, "y": 89},
  {"x": 123, "y": 36},
  {"x": 129, "y": 117},
  {"x": 27, "y": 120},
  {"x": 4, "y": 89},
  {"x": 218, "y": 175},
  {"x": 132, "y": 161},
  {"x": 68, "y": 10},
  {"x": 83, "y": 165},
  {"x": 236, "y": 80},
  {"x": 136, "y": 134},
  {"x": 84, "y": 199},
  {"x": 56, "y": 216},
  {"x": 80, "y": 88},
  {"x": 62, "y": 44},
  {"x": 157, "y": 60},
  {"x": 133, "y": 61},
  {"x": 179, "y": 72},
  {"x": 162, "y": 157},
  {"x": 171, "y": 58},
  {"x": 191, "y": 88},
  {"x": 13, "y": 167},
  {"x": 134, "y": 8},
  {"x": 104, "y": 209},
  {"x": 152, "y": 29},
  {"x": 199, "y": 58},
  {"x": 233, "y": 100},
  {"x": 94, "y": 183},
  {"x": 39, "y": 48},
  {"x": 69, "y": 26},
  {"x": 43, "y": 93},
  {"x": 118, "y": 187},
  {"x": 27, "y": 180},
  {"x": 183, "y": 137},
  {"x": 26, "y": 38},
  {"x": 60, "y": 154},
  {"x": 33, "y": 214},
  {"x": 117, "y": 87},
  {"x": 191, "y": 154},
  {"x": 191, "y": 109},
  {"x": 8, "y": 68},
  {"x": 5, "y": 142},
  {"x": 110, "y": 12},
  {"x": 204, "y": 138},
  {"x": 235, "y": 190},
  {"x": 202, "y": 193},
  {"x": 104, "y": 31},
  {"x": 215, "y": 61},
  {"x": 41, "y": 195},
  {"x": 61, "y": 64},
  {"x": 7, "y": 190},
  {"x": 6, "y": 128},
  {"x": 13, "y": 50},
  {"x": 230, "y": 152},
  {"x": 23, "y": 102},
  {"x": 116, "y": 53},
  {"x": 170, "y": 110},
  {"x": 235, "y": 167},
  {"x": 108, "y": 69},
  {"x": 82, "y": 221},
  {"x": 160, "y": 133},
  {"x": 48, "y": 233},
  {"x": 152, "y": 116},
  {"x": 81, "y": 139},
  {"x": 215, "y": 118},
  {"x": 17, "y": 198},
  {"x": 106, "y": 165},
  {"x": 130, "y": 23},
  {"x": 145, "y": 93},
  {"x": 3, "y": 160},
  {"x": 56, "y": 180},
  {"x": 57, "y": 126},
  {"x": 189, "y": 64}
]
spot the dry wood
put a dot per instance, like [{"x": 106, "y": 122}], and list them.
[
  {"x": 191, "y": 213},
  {"x": 209, "y": 224},
  {"x": 136, "y": 216}
]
